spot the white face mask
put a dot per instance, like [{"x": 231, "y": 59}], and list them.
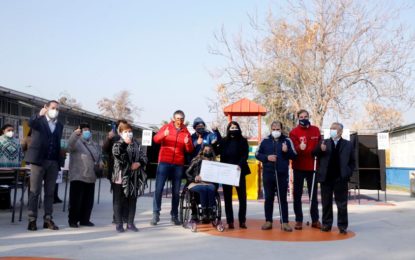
[
  {"x": 9, "y": 134},
  {"x": 53, "y": 113},
  {"x": 127, "y": 135},
  {"x": 276, "y": 134}
]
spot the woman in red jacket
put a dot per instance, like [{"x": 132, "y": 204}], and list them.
[{"x": 175, "y": 141}]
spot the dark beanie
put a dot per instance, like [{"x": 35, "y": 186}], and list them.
[
  {"x": 84, "y": 125},
  {"x": 198, "y": 121}
]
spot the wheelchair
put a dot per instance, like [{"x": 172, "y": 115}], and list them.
[{"x": 189, "y": 201}]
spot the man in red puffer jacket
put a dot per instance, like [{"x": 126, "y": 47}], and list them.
[
  {"x": 305, "y": 138},
  {"x": 175, "y": 141}
]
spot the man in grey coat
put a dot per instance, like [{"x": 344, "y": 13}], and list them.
[{"x": 337, "y": 162}]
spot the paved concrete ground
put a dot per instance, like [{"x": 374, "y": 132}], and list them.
[{"x": 382, "y": 232}]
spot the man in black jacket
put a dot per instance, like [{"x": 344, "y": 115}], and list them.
[
  {"x": 337, "y": 162},
  {"x": 44, "y": 155}
]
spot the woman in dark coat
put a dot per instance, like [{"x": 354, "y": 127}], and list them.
[
  {"x": 206, "y": 190},
  {"x": 234, "y": 149},
  {"x": 128, "y": 177}
]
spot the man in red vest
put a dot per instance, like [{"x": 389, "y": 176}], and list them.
[{"x": 305, "y": 138}]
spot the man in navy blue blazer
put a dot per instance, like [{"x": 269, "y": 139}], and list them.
[{"x": 44, "y": 155}]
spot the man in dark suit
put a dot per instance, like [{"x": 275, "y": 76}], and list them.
[
  {"x": 337, "y": 162},
  {"x": 44, "y": 155}
]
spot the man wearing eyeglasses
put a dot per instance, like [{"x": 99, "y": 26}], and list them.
[{"x": 175, "y": 141}]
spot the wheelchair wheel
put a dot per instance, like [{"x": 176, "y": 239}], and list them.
[
  {"x": 187, "y": 209},
  {"x": 218, "y": 209},
  {"x": 181, "y": 206}
]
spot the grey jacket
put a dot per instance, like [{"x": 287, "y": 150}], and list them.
[{"x": 81, "y": 163}]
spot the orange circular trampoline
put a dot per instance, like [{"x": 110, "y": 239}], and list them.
[
  {"x": 28, "y": 258},
  {"x": 254, "y": 232}
]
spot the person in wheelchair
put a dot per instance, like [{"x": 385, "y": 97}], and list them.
[{"x": 205, "y": 190}]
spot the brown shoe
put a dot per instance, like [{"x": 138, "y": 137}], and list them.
[
  {"x": 243, "y": 225},
  {"x": 231, "y": 226},
  {"x": 298, "y": 225},
  {"x": 316, "y": 224},
  {"x": 286, "y": 227},
  {"x": 267, "y": 226},
  {"x": 49, "y": 224}
]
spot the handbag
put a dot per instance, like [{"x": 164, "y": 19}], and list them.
[{"x": 99, "y": 172}]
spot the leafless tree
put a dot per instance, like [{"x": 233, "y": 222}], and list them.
[
  {"x": 378, "y": 118},
  {"x": 66, "y": 99},
  {"x": 322, "y": 55},
  {"x": 121, "y": 106}
]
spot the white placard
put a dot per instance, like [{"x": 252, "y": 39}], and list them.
[
  {"x": 59, "y": 178},
  {"x": 21, "y": 132},
  {"x": 383, "y": 141},
  {"x": 223, "y": 173},
  {"x": 147, "y": 138}
]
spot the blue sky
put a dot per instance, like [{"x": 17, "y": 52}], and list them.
[{"x": 93, "y": 49}]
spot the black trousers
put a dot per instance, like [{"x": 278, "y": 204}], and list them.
[
  {"x": 120, "y": 200},
  {"x": 81, "y": 201},
  {"x": 124, "y": 207},
  {"x": 339, "y": 189},
  {"x": 227, "y": 194},
  {"x": 270, "y": 188},
  {"x": 299, "y": 177}
]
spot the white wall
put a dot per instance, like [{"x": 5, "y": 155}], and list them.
[{"x": 402, "y": 149}]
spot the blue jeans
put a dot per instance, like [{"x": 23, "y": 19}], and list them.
[
  {"x": 206, "y": 194},
  {"x": 164, "y": 170}
]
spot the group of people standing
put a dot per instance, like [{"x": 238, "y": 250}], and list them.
[{"x": 331, "y": 160}]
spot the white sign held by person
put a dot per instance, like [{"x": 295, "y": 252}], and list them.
[
  {"x": 147, "y": 138},
  {"x": 223, "y": 173},
  {"x": 383, "y": 141}
]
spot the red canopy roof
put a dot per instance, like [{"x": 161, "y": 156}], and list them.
[{"x": 245, "y": 107}]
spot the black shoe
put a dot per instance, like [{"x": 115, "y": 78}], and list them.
[
  {"x": 325, "y": 228},
  {"x": 175, "y": 221},
  {"x": 73, "y": 225},
  {"x": 231, "y": 226},
  {"x": 120, "y": 228},
  {"x": 49, "y": 224},
  {"x": 57, "y": 200},
  {"x": 343, "y": 231},
  {"x": 87, "y": 224},
  {"x": 132, "y": 227},
  {"x": 32, "y": 226},
  {"x": 243, "y": 225}
]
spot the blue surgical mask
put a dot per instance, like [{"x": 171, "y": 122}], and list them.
[
  {"x": 333, "y": 133},
  {"x": 86, "y": 134}
]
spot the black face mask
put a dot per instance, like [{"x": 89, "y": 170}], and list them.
[
  {"x": 208, "y": 154},
  {"x": 234, "y": 133},
  {"x": 200, "y": 130},
  {"x": 304, "y": 122}
]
